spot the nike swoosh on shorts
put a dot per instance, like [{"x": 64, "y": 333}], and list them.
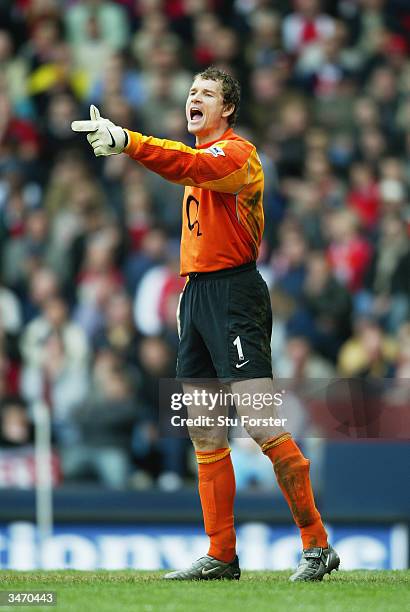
[{"x": 240, "y": 365}]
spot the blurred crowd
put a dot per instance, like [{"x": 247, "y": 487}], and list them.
[{"x": 89, "y": 249}]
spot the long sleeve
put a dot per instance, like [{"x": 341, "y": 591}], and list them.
[{"x": 223, "y": 167}]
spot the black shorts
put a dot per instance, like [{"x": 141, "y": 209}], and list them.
[{"x": 225, "y": 322}]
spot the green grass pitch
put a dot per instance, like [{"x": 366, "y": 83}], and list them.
[{"x": 136, "y": 591}]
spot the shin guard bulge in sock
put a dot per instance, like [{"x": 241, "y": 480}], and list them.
[{"x": 292, "y": 472}]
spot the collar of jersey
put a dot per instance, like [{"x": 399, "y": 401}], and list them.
[{"x": 224, "y": 136}]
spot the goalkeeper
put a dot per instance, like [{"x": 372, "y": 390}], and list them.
[{"x": 225, "y": 318}]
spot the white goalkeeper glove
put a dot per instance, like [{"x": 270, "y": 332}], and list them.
[{"x": 104, "y": 136}]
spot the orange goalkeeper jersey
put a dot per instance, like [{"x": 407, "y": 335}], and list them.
[{"x": 222, "y": 214}]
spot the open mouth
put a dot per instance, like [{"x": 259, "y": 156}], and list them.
[{"x": 195, "y": 114}]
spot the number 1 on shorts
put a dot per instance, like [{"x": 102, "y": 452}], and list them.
[{"x": 237, "y": 343}]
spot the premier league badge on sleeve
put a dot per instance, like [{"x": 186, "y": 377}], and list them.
[{"x": 215, "y": 151}]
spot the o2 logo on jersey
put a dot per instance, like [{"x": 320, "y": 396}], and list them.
[
  {"x": 215, "y": 151},
  {"x": 192, "y": 203}
]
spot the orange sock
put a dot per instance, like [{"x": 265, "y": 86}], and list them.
[
  {"x": 217, "y": 493},
  {"x": 292, "y": 471}
]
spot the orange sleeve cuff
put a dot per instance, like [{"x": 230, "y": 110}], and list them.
[{"x": 134, "y": 141}]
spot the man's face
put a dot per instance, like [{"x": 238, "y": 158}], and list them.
[{"x": 205, "y": 110}]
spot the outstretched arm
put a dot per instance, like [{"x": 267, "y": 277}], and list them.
[{"x": 223, "y": 167}]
